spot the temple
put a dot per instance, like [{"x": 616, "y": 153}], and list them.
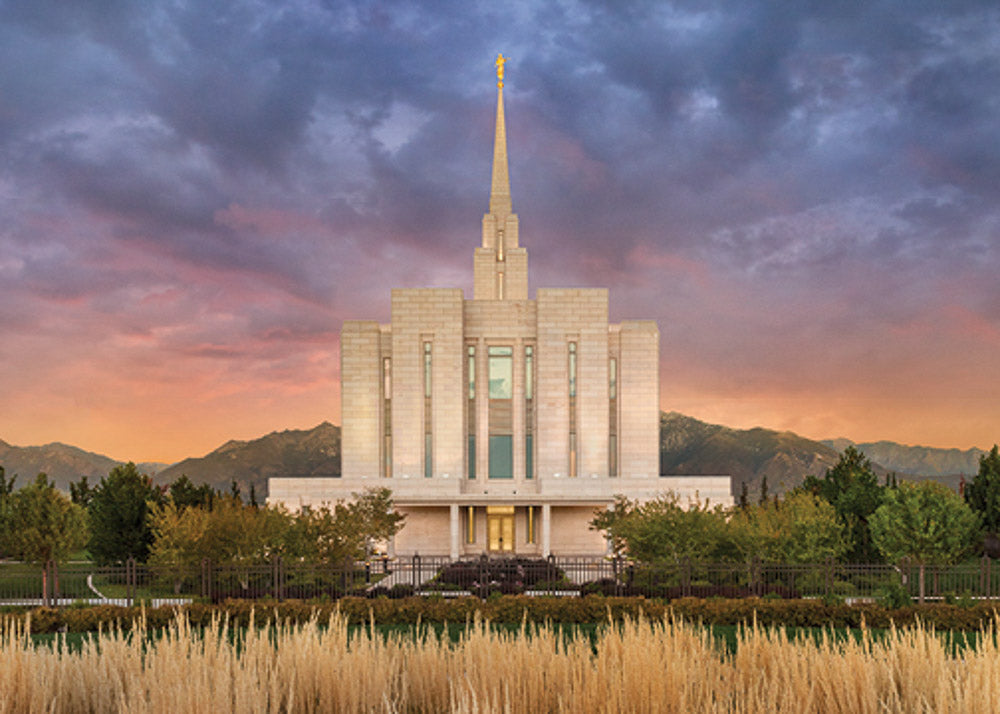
[{"x": 502, "y": 422}]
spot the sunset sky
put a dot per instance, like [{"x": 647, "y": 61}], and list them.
[{"x": 804, "y": 195}]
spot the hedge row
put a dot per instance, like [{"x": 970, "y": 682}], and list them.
[{"x": 514, "y": 608}]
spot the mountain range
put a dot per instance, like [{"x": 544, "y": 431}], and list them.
[
  {"x": 687, "y": 447},
  {"x": 312, "y": 452}
]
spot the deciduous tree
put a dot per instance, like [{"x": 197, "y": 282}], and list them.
[
  {"x": 925, "y": 522},
  {"x": 41, "y": 524},
  {"x": 663, "y": 529},
  {"x": 240, "y": 534},
  {"x": 800, "y": 528}
]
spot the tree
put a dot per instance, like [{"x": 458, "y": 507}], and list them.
[
  {"x": 925, "y": 522},
  {"x": 611, "y": 521},
  {"x": 345, "y": 531},
  {"x": 119, "y": 515},
  {"x": 6, "y": 485},
  {"x": 178, "y": 541},
  {"x": 240, "y": 534},
  {"x": 983, "y": 493},
  {"x": 744, "y": 501},
  {"x": 852, "y": 488},
  {"x": 40, "y": 524},
  {"x": 801, "y": 528},
  {"x": 80, "y": 492},
  {"x": 662, "y": 529},
  {"x": 6, "y": 488},
  {"x": 184, "y": 493}
]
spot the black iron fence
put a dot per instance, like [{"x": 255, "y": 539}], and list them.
[{"x": 73, "y": 583}]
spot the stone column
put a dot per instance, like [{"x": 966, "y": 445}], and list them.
[
  {"x": 546, "y": 530},
  {"x": 455, "y": 531}
]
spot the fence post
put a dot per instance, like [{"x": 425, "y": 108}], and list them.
[
  {"x": 130, "y": 585},
  {"x": 921, "y": 575},
  {"x": 414, "y": 567},
  {"x": 55, "y": 583},
  {"x": 206, "y": 579},
  {"x": 989, "y": 576},
  {"x": 686, "y": 577},
  {"x": 45, "y": 584}
]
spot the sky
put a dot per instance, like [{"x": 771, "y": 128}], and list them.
[{"x": 193, "y": 196}]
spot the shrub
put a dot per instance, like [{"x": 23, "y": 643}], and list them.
[
  {"x": 893, "y": 595},
  {"x": 484, "y": 576}
]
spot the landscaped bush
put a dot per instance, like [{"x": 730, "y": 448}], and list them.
[
  {"x": 610, "y": 586},
  {"x": 507, "y": 576},
  {"x": 514, "y": 609}
]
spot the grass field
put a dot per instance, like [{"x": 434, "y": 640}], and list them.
[{"x": 640, "y": 666}]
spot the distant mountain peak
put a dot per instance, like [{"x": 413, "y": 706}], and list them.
[{"x": 291, "y": 452}]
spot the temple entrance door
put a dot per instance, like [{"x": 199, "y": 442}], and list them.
[{"x": 500, "y": 528}]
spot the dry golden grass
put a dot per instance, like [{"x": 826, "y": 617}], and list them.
[{"x": 667, "y": 666}]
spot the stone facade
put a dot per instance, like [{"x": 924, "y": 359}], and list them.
[{"x": 502, "y": 422}]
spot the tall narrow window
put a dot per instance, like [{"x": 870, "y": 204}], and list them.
[
  {"x": 387, "y": 417},
  {"x": 572, "y": 369},
  {"x": 471, "y": 427},
  {"x": 572, "y": 411},
  {"x": 531, "y": 525},
  {"x": 529, "y": 411},
  {"x": 427, "y": 370},
  {"x": 612, "y": 417},
  {"x": 428, "y": 434},
  {"x": 470, "y": 525},
  {"x": 472, "y": 372},
  {"x": 501, "y": 372},
  {"x": 501, "y": 392},
  {"x": 499, "y": 286}
]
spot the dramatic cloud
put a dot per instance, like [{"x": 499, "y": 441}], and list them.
[{"x": 806, "y": 196}]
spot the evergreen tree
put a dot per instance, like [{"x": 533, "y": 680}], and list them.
[
  {"x": 185, "y": 494},
  {"x": 852, "y": 488},
  {"x": 6, "y": 485},
  {"x": 983, "y": 496},
  {"x": 744, "y": 501},
  {"x": 119, "y": 515},
  {"x": 80, "y": 492}
]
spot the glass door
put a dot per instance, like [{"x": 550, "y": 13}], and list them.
[{"x": 500, "y": 528}]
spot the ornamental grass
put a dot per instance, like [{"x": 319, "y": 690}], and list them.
[{"x": 641, "y": 665}]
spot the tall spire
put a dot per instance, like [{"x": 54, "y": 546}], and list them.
[
  {"x": 500, "y": 203},
  {"x": 500, "y": 268}
]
